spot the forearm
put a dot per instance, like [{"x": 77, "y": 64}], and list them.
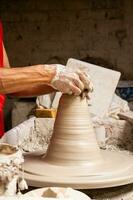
[
  {"x": 13, "y": 80},
  {"x": 34, "y": 91}
]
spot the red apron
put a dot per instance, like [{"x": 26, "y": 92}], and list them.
[{"x": 2, "y": 97}]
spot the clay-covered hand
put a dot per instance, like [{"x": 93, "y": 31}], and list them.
[
  {"x": 67, "y": 81},
  {"x": 86, "y": 80}
]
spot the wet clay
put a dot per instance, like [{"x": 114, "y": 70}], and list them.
[{"x": 73, "y": 157}]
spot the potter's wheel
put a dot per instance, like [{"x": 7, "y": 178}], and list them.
[
  {"x": 120, "y": 172},
  {"x": 73, "y": 158}
]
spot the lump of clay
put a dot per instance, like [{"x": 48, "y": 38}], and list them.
[
  {"x": 7, "y": 149},
  {"x": 50, "y": 193},
  {"x": 10, "y": 163}
]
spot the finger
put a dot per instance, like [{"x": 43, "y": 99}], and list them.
[
  {"x": 78, "y": 83},
  {"x": 90, "y": 85},
  {"x": 87, "y": 75},
  {"x": 88, "y": 96},
  {"x": 82, "y": 95},
  {"x": 91, "y": 88},
  {"x": 85, "y": 78},
  {"x": 75, "y": 90}
]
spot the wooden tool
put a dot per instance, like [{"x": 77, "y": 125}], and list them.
[{"x": 45, "y": 113}]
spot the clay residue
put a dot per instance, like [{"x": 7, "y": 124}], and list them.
[{"x": 7, "y": 149}]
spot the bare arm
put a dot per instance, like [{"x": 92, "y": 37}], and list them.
[
  {"x": 34, "y": 91},
  {"x": 29, "y": 80},
  {"x": 25, "y": 81},
  {"x": 13, "y": 80},
  {"x": 28, "y": 92}
]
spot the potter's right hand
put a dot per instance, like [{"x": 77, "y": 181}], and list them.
[{"x": 67, "y": 81}]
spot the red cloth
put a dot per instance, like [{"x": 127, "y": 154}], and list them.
[{"x": 2, "y": 97}]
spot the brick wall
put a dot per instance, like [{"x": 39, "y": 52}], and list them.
[{"x": 51, "y": 31}]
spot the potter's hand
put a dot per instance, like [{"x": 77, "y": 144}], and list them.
[
  {"x": 86, "y": 80},
  {"x": 88, "y": 86},
  {"x": 67, "y": 81}
]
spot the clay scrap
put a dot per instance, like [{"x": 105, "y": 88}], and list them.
[{"x": 10, "y": 163}]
